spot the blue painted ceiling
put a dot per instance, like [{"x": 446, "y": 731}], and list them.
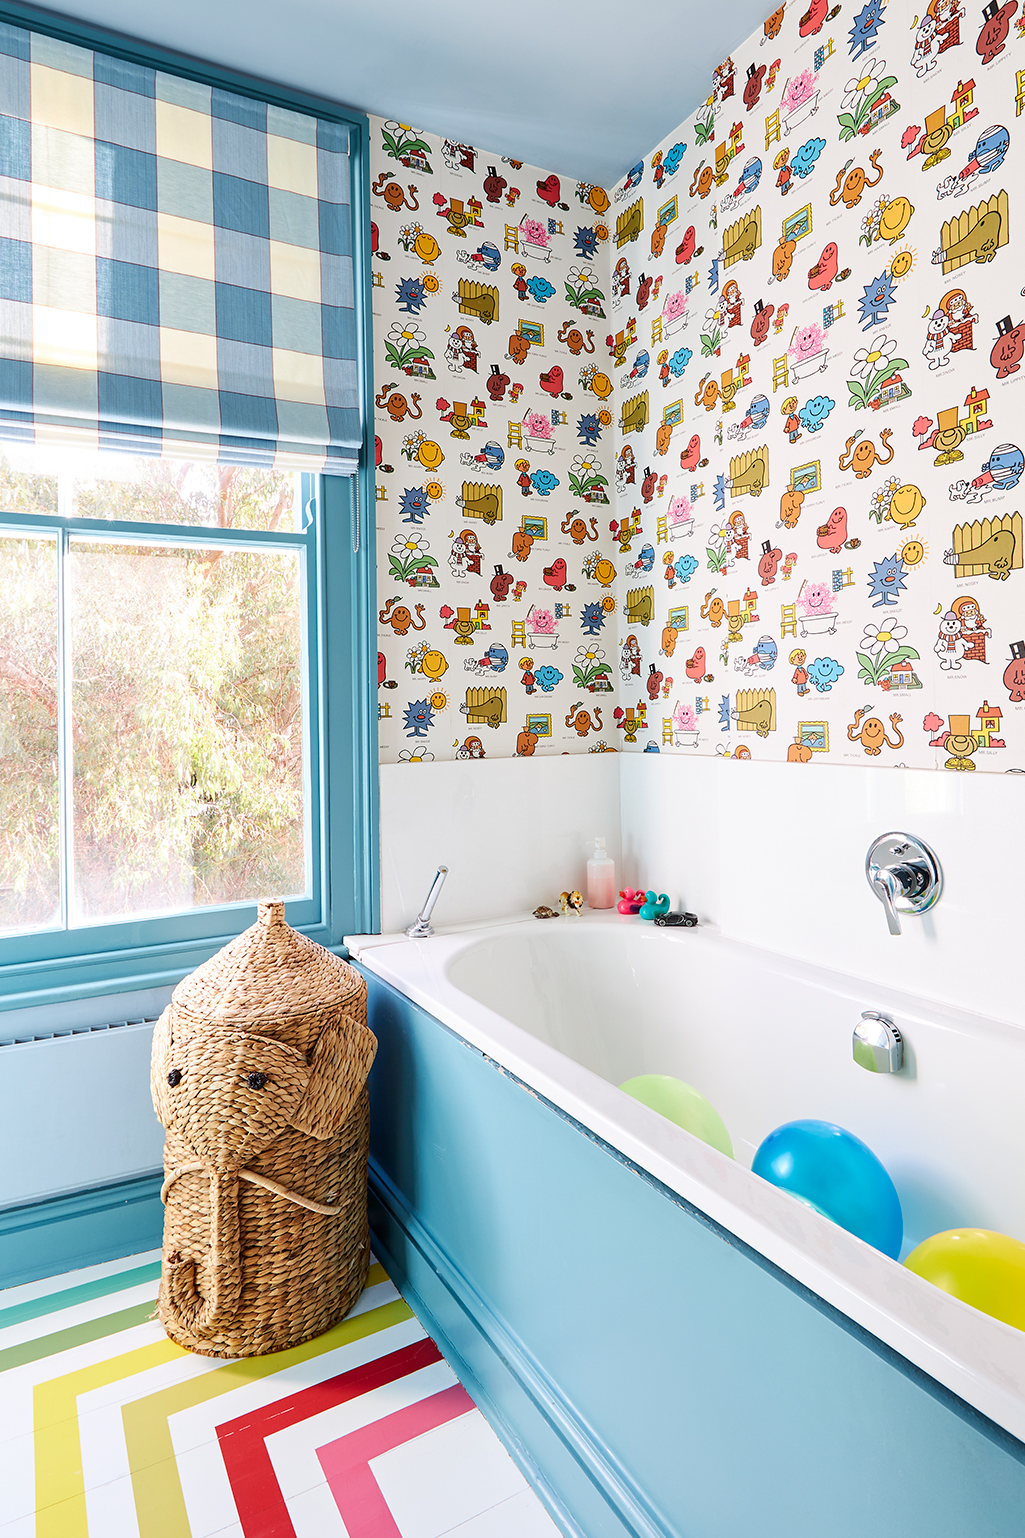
[{"x": 584, "y": 89}]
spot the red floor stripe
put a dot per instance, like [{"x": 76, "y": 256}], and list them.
[
  {"x": 260, "y": 1504},
  {"x": 346, "y": 1462}
]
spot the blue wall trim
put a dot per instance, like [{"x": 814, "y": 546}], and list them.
[
  {"x": 83, "y": 1228},
  {"x": 661, "y": 1376}
]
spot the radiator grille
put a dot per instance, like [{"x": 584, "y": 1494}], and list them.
[{"x": 68, "y": 1031}]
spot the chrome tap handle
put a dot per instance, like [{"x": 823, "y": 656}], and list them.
[
  {"x": 421, "y": 928},
  {"x": 904, "y": 874},
  {"x": 884, "y": 884}
]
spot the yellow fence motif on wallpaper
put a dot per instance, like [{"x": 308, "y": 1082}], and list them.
[
  {"x": 991, "y": 546},
  {"x": 485, "y": 707},
  {"x": 741, "y": 240},
  {"x": 975, "y": 235},
  {"x": 640, "y": 606},
  {"x": 749, "y": 473},
  {"x": 630, "y": 223},
  {"x": 756, "y": 711},
  {"x": 479, "y": 299},
  {"x": 635, "y": 413},
  {"x": 481, "y": 499}
]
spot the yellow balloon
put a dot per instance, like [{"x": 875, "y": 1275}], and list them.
[
  {"x": 978, "y": 1266},
  {"x": 895, "y": 219}
]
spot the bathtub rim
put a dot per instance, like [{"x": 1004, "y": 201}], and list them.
[{"x": 980, "y": 1360}]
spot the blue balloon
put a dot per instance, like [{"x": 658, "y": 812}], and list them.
[{"x": 837, "y": 1173}]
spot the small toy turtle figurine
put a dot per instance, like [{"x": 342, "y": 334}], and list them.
[
  {"x": 571, "y": 902},
  {"x": 545, "y": 912}
]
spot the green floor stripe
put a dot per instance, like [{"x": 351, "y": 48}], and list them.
[
  {"x": 52, "y": 1302},
  {"x": 77, "y": 1335}
]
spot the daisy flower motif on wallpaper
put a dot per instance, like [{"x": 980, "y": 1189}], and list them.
[
  {"x": 585, "y": 477},
  {"x": 583, "y": 293},
  {"x": 404, "y": 144},
  {"x": 406, "y": 345},
  {"x": 879, "y": 505},
  {"x": 408, "y": 556},
  {"x": 881, "y": 650},
  {"x": 590, "y": 667},
  {"x": 861, "y": 94},
  {"x": 872, "y": 366},
  {"x": 718, "y": 551}
]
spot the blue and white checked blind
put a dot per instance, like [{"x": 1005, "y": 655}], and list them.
[{"x": 175, "y": 266}]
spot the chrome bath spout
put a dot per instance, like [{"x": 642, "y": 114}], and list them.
[{"x": 421, "y": 928}]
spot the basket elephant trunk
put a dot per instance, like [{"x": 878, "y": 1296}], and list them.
[
  {"x": 259, "y": 1073},
  {"x": 199, "y": 1315}
]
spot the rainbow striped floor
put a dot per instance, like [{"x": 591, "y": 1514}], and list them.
[{"x": 107, "y": 1430}]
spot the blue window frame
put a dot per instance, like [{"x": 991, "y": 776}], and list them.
[{"x": 338, "y": 554}]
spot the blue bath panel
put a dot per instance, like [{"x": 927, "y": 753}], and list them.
[{"x": 654, "y": 1375}]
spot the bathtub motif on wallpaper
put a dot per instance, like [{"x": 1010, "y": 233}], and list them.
[{"x": 796, "y": 458}]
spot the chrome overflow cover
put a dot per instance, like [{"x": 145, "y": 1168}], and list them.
[{"x": 878, "y": 1045}]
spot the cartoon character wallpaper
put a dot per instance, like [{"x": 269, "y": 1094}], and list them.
[{"x": 775, "y": 469}]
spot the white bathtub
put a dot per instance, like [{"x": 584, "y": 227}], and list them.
[{"x": 573, "y": 1006}]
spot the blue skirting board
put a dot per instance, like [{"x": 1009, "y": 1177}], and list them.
[
  {"x": 655, "y": 1376},
  {"x": 84, "y": 1228}
]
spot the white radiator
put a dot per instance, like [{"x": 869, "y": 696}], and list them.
[{"x": 75, "y": 1107}]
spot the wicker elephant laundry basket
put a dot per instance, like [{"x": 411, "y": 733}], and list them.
[{"x": 259, "y": 1073}]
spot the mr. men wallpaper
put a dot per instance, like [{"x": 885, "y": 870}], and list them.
[
  {"x": 828, "y": 434},
  {"x": 776, "y": 514},
  {"x": 494, "y": 422}
]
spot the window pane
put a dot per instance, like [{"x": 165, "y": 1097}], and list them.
[
  {"x": 171, "y": 491},
  {"x": 148, "y": 490},
  {"x": 29, "y": 798},
  {"x": 27, "y": 485},
  {"x": 187, "y": 701}
]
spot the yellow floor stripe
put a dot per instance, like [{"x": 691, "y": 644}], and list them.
[
  {"x": 60, "y": 1490},
  {"x": 159, "y": 1503}
]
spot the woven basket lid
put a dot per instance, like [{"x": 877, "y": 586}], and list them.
[{"x": 270, "y": 972}]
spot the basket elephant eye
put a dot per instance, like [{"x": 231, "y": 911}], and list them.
[
  {"x": 174, "y": 1078},
  {"x": 256, "y": 1080}
]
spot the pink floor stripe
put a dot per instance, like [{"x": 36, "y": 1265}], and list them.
[{"x": 346, "y": 1463}]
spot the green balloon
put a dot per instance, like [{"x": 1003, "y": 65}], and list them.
[{"x": 682, "y": 1104}]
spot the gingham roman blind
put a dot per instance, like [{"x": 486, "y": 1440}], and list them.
[{"x": 175, "y": 265}]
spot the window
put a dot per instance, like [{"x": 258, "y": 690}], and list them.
[
  {"x": 156, "y": 731},
  {"x": 161, "y": 702},
  {"x": 187, "y": 719}
]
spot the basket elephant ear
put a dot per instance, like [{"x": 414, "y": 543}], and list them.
[
  {"x": 339, "y": 1064},
  {"x": 158, "y": 1067}
]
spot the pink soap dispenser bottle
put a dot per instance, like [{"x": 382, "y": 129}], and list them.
[{"x": 601, "y": 878}]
